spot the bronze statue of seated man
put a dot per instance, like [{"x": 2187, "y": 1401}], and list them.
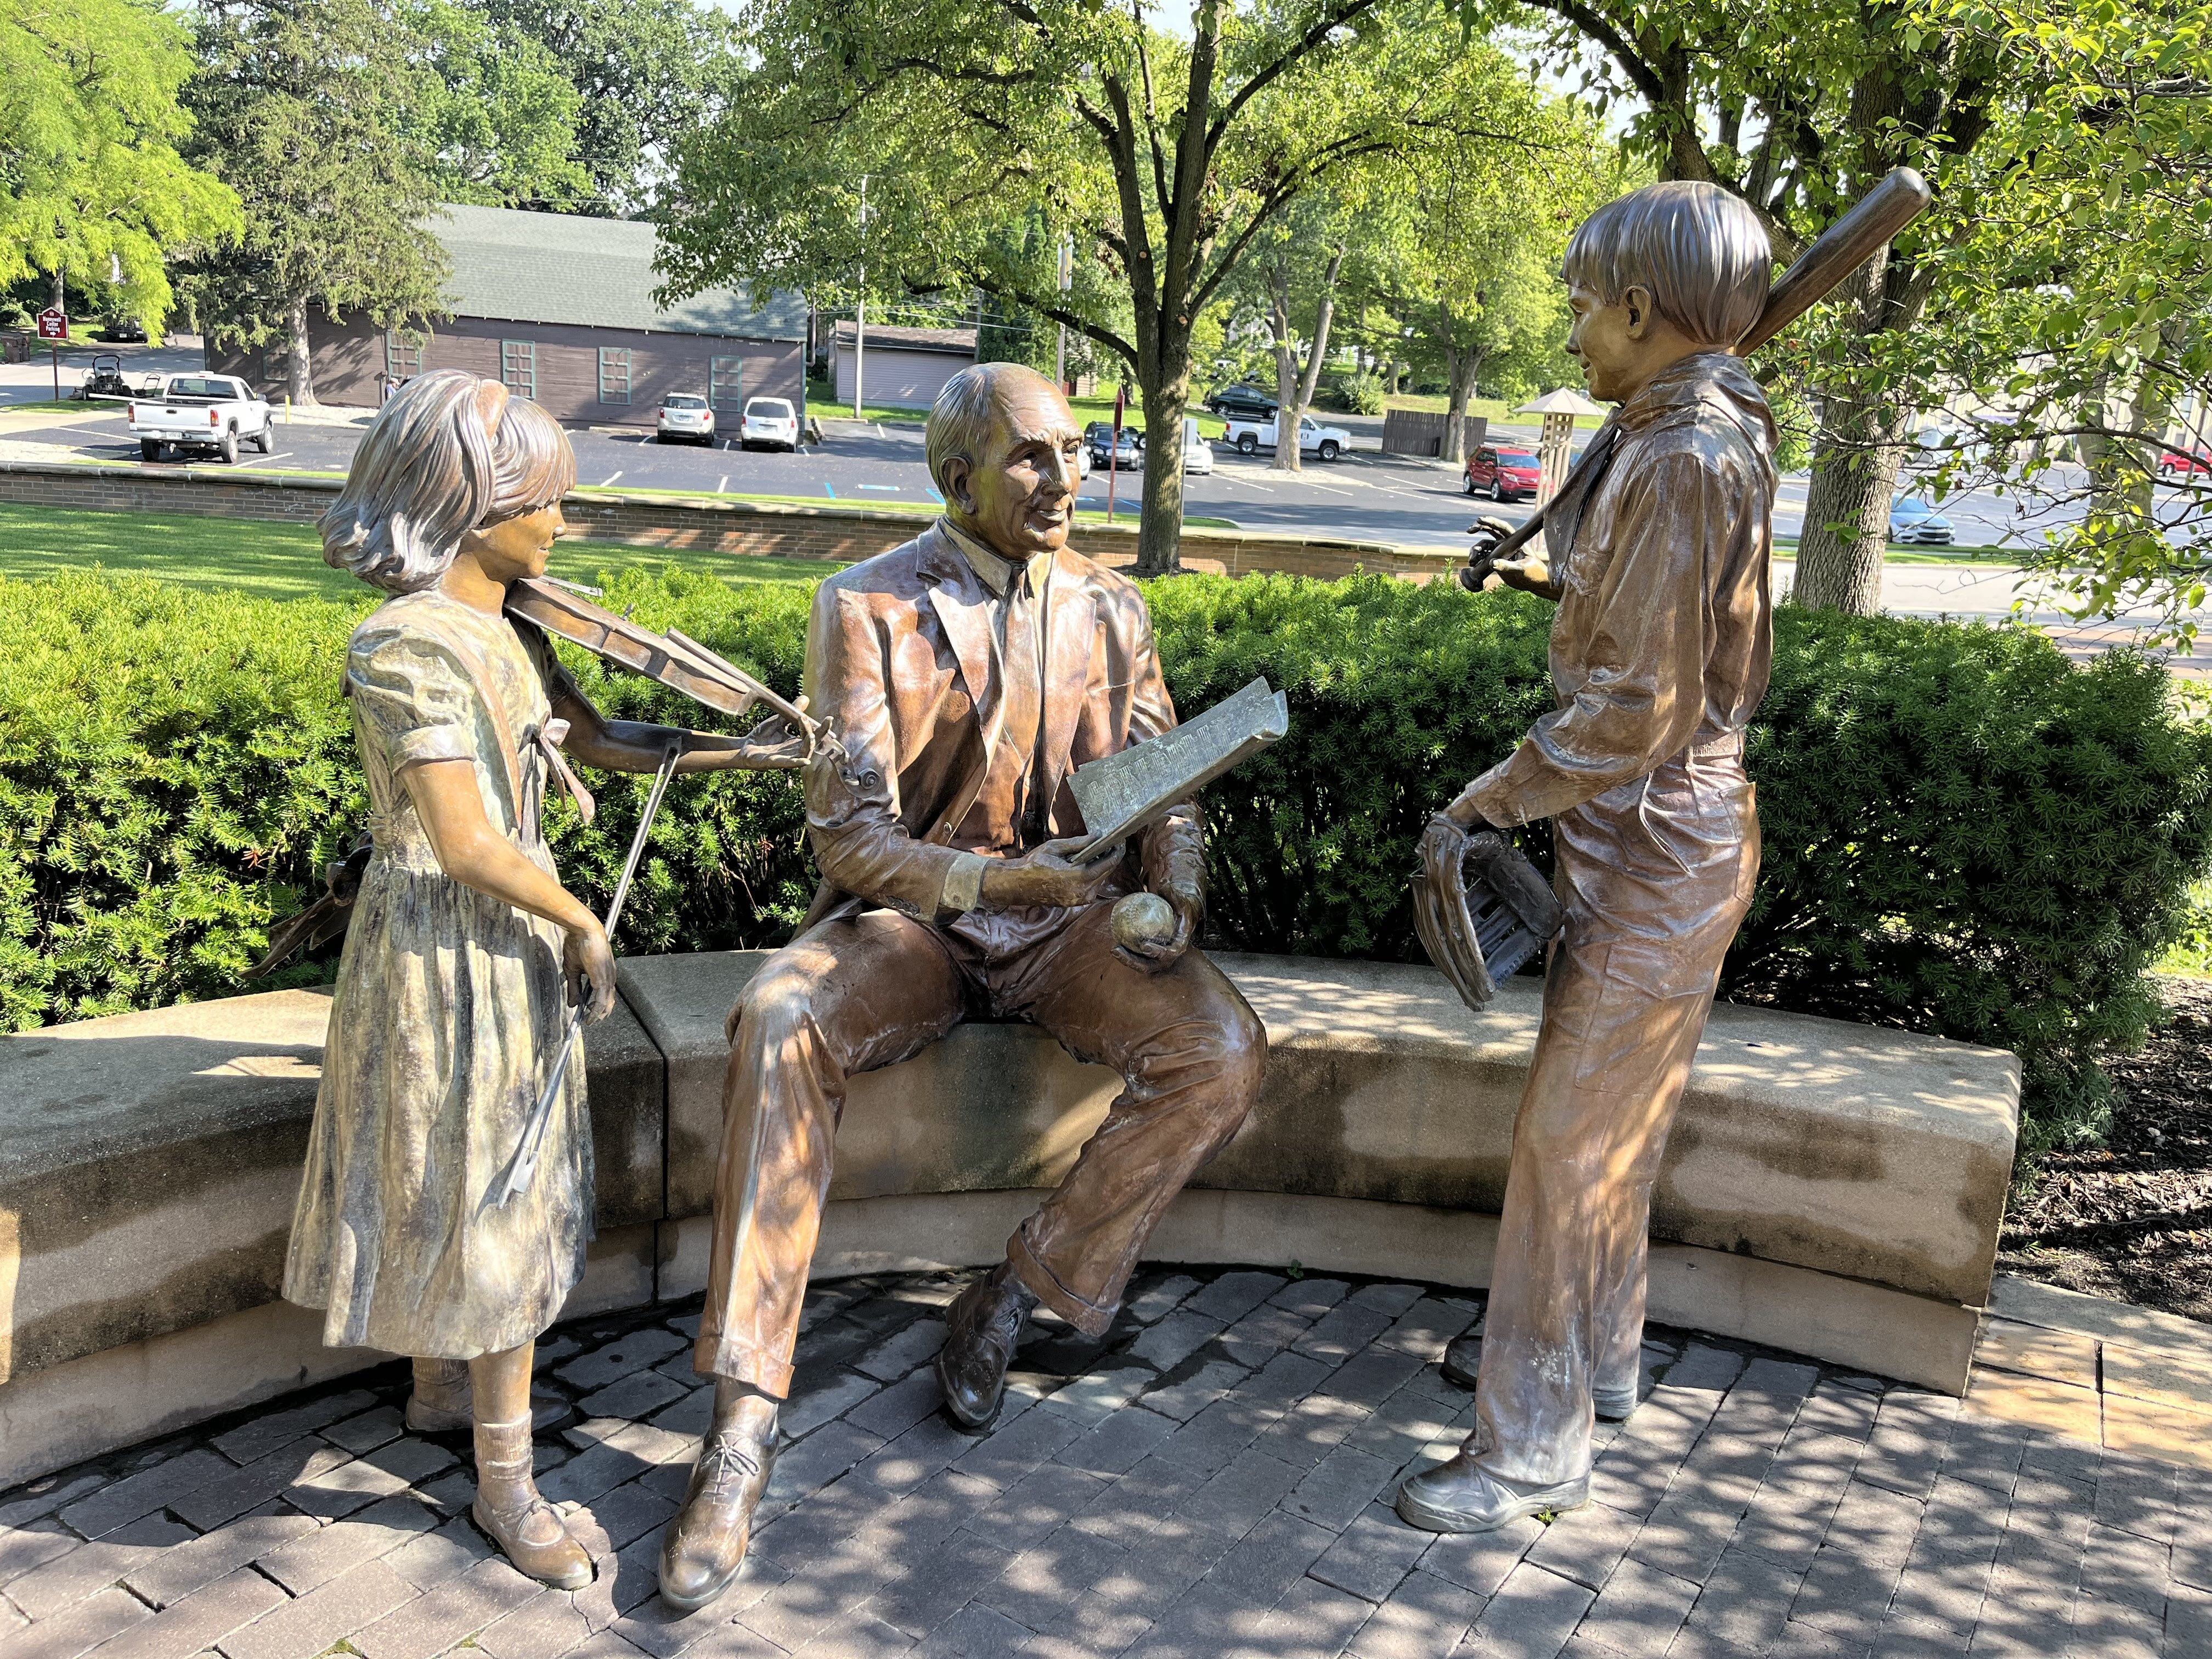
[{"x": 965, "y": 675}]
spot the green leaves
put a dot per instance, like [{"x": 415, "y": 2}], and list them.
[{"x": 91, "y": 178}]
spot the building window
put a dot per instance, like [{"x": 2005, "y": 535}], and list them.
[
  {"x": 518, "y": 367},
  {"x": 614, "y": 374},
  {"x": 403, "y": 354},
  {"x": 726, "y": 382}
]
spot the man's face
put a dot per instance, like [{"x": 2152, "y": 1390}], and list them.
[{"x": 1018, "y": 497}]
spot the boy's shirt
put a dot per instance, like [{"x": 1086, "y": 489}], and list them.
[{"x": 1664, "y": 635}]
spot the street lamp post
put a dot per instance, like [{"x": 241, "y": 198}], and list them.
[
  {"x": 860, "y": 304},
  {"x": 1067, "y": 282}
]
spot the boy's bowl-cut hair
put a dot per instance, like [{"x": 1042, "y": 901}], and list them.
[{"x": 1700, "y": 251}]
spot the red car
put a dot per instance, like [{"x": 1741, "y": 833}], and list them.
[
  {"x": 1505, "y": 473},
  {"x": 2182, "y": 464}
]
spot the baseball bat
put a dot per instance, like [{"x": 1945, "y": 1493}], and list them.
[{"x": 1874, "y": 221}]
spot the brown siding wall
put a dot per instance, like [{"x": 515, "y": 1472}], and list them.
[
  {"x": 896, "y": 378},
  {"x": 770, "y": 528},
  {"x": 349, "y": 362}
]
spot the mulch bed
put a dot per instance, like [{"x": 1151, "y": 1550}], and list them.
[{"x": 2133, "y": 1219}]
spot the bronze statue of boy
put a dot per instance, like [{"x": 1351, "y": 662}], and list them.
[{"x": 1660, "y": 653}]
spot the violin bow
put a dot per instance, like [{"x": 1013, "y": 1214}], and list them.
[{"x": 522, "y": 1168}]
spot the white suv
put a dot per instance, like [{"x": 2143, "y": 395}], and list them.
[
  {"x": 686, "y": 414},
  {"x": 770, "y": 421}
]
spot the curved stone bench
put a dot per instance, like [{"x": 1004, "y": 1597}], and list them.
[{"x": 1831, "y": 1190}]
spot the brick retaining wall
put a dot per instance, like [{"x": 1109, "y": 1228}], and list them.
[{"x": 687, "y": 524}]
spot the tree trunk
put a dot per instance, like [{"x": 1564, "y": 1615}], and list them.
[
  {"x": 1287, "y": 407},
  {"x": 298, "y": 375},
  {"x": 1159, "y": 535},
  {"x": 1463, "y": 368},
  {"x": 1854, "y": 481},
  {"x": 1317, "y": 352},
  {"x": 61, "y": 292}
]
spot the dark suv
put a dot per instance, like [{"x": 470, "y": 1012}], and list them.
[
  {"x": 1241, "y": 402},
  {"x": 1099, "y": 438}
]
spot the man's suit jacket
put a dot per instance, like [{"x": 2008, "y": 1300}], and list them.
[{"x": 900, "y": 661}]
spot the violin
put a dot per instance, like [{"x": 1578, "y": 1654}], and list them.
[{"x": 674, "y": 659}]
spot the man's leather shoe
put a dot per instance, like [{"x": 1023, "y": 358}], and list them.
[
  {"x": 1455, "y": 1495},
  {"x": 705, "y": 1547},
  {"x": 1464, "y": 1358},
  {"x": 983, "y": 1327}
]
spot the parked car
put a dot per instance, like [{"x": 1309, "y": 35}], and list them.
[
  {"x": 201, "y": 412},
  {"x": 1912, "y": 522},
  {"x": 685, "y": 417},
  {"x": 2185, "y": 464},
  {"x": 1503, "y": 474},
  {"x": 1098, "y": 440},
  {"x": 123, "y": 331},
  {"x": 1246, "y": 400},
  {"x": 770, "y": 421},
  {"x": 1197, "y": 454},
  {"x": 1326, "y": 442}
]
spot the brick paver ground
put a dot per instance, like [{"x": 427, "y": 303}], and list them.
[{"x": 1211, "y": 1479}]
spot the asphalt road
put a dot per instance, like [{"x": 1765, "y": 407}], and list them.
[{"x": 1362, "y": 495}]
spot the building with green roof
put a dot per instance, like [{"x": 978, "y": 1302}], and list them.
[{"x": 561, "y": 308}]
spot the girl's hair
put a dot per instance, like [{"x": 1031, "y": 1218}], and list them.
[
  {"x": 532, "y": 465},
  {"x": 422, "y": 478},
  {"x": 1700, "y": 251}
]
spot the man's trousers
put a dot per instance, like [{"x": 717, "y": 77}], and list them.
[
  {"x": 864, "y": 992},
  {"x": 1656, "y": 875}
]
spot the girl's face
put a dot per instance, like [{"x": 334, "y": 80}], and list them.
[{"x": 517, "y": 547}]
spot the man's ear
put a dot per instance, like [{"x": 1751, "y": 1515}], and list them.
[
  {"x": 957, "y": 469},
  {"x": 1636, "y": 301}
]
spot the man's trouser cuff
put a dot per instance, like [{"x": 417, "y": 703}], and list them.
[
  {"x": 742, "y": 1362},
  {"x": 1088, "y": 1317}
]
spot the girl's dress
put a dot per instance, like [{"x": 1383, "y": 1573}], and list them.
[{"x": 449, "y": 1008}]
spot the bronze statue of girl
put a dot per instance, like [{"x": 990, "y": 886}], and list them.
[{"x": 464, "y": 948}]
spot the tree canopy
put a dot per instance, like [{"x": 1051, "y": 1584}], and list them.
[
  {"x": 304, "y": 109},
  {"x": 1167, "y": 157},
  {"x": 93, "y": 186}
]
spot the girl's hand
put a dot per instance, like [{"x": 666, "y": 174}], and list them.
[
  {"x": 589, "y": 962},
  {"x": 773, "y": 746}
]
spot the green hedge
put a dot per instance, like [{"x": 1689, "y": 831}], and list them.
[{"x": 1964, "y": 834}]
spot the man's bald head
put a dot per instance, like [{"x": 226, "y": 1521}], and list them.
[
  {"x": 1002, "y": 449},
  {"x": 961, "y": 421}
]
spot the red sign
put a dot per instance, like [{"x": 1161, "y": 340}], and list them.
[{"x": 52, "y": 325}]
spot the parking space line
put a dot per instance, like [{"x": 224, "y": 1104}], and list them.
[
  {"x": 828, "y": 489},
  {"x": 893, "y": 488},
  {"x": 934, "y": 497},
  {"x": 611, "y": 477},
  {"x": 721, "y": 483}
]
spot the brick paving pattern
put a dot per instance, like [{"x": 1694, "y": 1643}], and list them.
[{"x": 1213, "y": 1478}]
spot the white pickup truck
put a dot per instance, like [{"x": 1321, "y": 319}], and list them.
[
  {"x": 1327, "y": 441},
  {"x": 201, "y": 411}
]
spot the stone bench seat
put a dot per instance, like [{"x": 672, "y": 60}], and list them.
[{"x": 1832, "y": 1189}]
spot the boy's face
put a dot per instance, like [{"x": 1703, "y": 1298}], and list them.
[{"x": 1623, "y": 343}]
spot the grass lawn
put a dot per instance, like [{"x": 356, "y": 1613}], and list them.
[
  {"x": 1496, "y": 411},
  {"x": 284, "y": 560},
  {"x": 1785, "y": 547}
]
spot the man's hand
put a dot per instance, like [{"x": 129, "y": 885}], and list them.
[
  {"x": 589, "y": 964},
  {"x": 1047, "y": 875},
  {"x": 1155, "y": 956}
]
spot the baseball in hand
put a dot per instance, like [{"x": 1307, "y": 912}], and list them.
[{"x": 1143, "y": 921}]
